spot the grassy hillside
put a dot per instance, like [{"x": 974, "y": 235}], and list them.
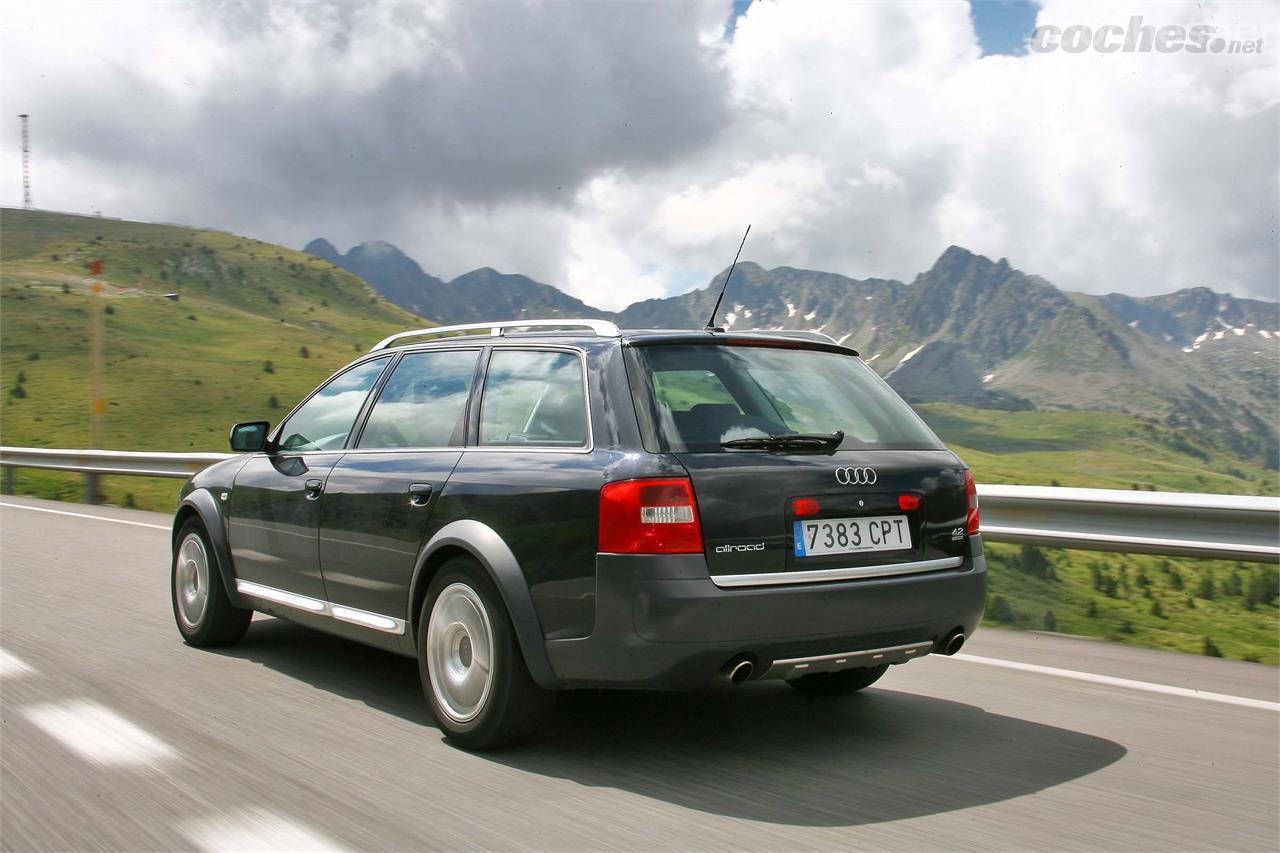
[
  {"x": 256, "y": 326},
  {"x": 1102, "y": 450}
]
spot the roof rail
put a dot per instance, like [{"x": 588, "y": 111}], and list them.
[
  {"x": 798, "y": 334},
  {"x": 498, "y": 328}
]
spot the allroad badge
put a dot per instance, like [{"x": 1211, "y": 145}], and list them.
[{"x": 856, "y": 476}]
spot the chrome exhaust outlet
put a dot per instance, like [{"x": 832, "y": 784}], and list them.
[
  {"x": 952, "y": 644},
  {"x": 736, "y": 671}
]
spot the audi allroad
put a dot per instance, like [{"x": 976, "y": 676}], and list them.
[{"x": 539, "y": 506}]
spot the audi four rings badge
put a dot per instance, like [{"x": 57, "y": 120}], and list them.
[{"x": 856, "y": 476}]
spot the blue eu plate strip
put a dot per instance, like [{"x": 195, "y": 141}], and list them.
[{"x": 800, "y": 539}]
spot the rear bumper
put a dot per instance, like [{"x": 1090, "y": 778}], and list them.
[{"x": 661, "y": 622}]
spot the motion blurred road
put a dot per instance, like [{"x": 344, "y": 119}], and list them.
[{"x": 118, "y": 736}]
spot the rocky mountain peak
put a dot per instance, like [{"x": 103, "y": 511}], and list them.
[{"x": 322, "y": 249}]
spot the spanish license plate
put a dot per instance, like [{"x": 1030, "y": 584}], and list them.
[{"x": 851, "y": 535}]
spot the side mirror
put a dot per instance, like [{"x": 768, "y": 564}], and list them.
[{"x": 249, "y": 437}]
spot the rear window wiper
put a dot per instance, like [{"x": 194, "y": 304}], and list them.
[{"x": 787, "y": 441}]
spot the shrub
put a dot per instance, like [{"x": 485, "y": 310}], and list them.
[
  {"x": 109, "y": 309},
  {"x": 1157, "y": 609},
  {"x": 1233, "y": 585},
  {"x": 1175, "y": 579},
  {"x": 1210, "y": 649},
  {"x": 272, "y": 402},
  {"x": 1206, "y": 588},
  {"x": 66, "y": 288},
  {"x": 18, "y": 392},
  {"x": 191, "y": 317},
  {"x": 303, "y": 352},
  {"x": 1126, "y": 627},
  {"x": 33, "y": 356},
  {"x": 21, "y": 377},
  {"x": 1000, "y": 610},
  {"x": 1091, "y": 610},
  {"x": 1032, "y": 561},
  {"x": 268, "y": 367},
  {"x": 1050, "y": 621}
]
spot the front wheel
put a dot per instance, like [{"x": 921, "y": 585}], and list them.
[
  {"x": 473, "y": 673},
  {"x": 839, "y": 683},
  {"x": 205, "y": 616}
]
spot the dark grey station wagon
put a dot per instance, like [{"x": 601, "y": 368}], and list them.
[{"x": 537, "y": 506}]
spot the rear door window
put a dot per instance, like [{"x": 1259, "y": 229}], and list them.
[
  {"x": 424, "y": 401},
  {"x": 533, "y": 398}
]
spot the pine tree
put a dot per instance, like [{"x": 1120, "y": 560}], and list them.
[{"x": 1206, "y": 589}]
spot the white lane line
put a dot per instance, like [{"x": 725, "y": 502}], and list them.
[
  {"x": 1112, "y": 681},
  {"x": 97, "y": 733},
  {"x": 11, "y": 665},
  {"x": 86, "y": 515},
  {"x": 254, "y": 829}
]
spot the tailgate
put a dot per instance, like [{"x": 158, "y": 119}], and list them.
[{"x": 885, "y": 511}]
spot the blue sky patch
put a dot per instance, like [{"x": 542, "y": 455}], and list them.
[{"x": 1003, "y": 26}]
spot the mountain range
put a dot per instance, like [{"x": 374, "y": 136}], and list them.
[{"x": 968, "y": 330}]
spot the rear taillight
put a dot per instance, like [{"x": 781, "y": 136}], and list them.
[
  {"x": 649, "y": 517},
  {"x": 971, "y": 498}
]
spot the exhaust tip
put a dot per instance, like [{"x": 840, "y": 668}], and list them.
[
  {"x": 740, "y": 672},
  {"x": 952, "y": 643},
  {"x": 736, "y": 671}
]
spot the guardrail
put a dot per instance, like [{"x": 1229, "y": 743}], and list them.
[{"x": 1176, "y": 524}]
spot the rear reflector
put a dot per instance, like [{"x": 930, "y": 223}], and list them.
[
  {"x": 906, "y": 503},
  {"x": 649, "y": 517},
  {"x": 971, "y": 498},
  {"x": 805, "y": 506}
]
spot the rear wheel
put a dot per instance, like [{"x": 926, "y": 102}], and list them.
[
  {"x": 839, "y": 683},
  {"x": 473, "y": 673},
  {"x": 205, "y": 616}
]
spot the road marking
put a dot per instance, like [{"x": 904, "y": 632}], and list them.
[
  {"x": 255, "y": 829},
  {"x": 11, "y": 665},
  {"x": 1112, "y": 681},
  {"x": 97, "y": 733},
  {"x": 87, "y": 515}
]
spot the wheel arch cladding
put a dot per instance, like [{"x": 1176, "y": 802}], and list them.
[
  {"x": 483, "y": 544},
  {"x": 201, "y": 505}
]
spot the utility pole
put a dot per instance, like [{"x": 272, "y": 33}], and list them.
[
  {"x": 26, "y": 163},
  {"x": 98, "y": 397}
]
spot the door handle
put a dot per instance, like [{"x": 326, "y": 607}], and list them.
[
  {"x": 312, "y": 489},
  {"x": 420, "y": 494}
]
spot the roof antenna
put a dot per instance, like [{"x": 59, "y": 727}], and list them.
[{"x": 711, "y": 321}]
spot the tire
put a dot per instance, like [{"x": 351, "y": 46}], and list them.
[
  {"x": 839, "y": 683},
  {"x": 204, "y": 614},
  {"x": 463, "y": 622}
]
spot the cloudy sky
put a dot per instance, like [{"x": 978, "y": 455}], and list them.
[{"x": 618, "y": 149}]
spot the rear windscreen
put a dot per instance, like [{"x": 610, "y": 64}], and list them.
[{"x": 697, "y": 396}]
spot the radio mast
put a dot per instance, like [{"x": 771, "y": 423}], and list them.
[{"x": 26, "y": 163}]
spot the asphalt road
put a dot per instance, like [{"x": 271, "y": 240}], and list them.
[{"x": 115, "y": 735}]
